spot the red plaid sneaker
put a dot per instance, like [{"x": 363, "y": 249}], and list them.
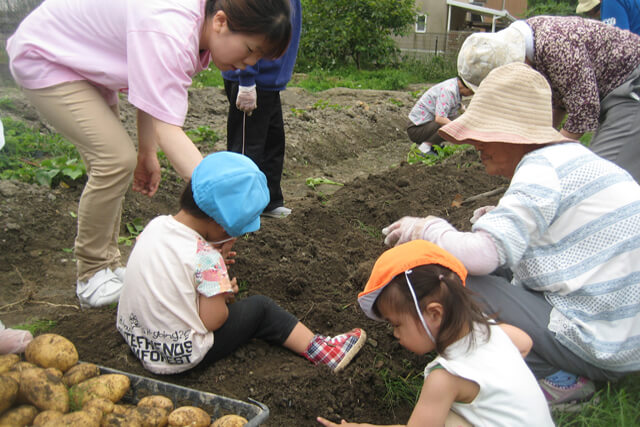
[{"x": 335, "y": 352}]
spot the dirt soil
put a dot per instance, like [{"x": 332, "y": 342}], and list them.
[{"x": 313, "y": 263}]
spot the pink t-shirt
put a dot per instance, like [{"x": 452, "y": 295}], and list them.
[{"x": 149, "y": 49}]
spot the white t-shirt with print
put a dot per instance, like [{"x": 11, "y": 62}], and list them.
[{"x": 170, "y": 265}]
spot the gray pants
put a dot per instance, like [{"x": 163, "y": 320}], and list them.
[
  {"x": 618, "y": 136},
  {"x": 530, "y": 312}
]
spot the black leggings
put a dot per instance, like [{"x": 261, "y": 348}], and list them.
[{"x": 257, "y": 316}]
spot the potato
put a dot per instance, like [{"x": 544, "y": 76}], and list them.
[
  {"x": 22, "y": 365},
  {"x": 46, "y": 418},
  {"x": 101, "y": 403},
  {"x": 189, "y": 416},
  {"x": 15, "y": 375},
  {"x": 157, "y": 401},
  {"x": 76, "y": 419},
  {"x": 122, "y": 409},
  {"x": 52, "y": 351},
  {"x": 44, "y": 390},
  {"x": 8, "y": 392},
  {"x": 7, "y": 361},
  {"x": 80, "y": 372},
  {"x": 55, "y": 372},
  {"x": 230, "y": 421},
  {"x": 151, "y": 416},
  {"x": 119, "y": 420},
  {"x": 111, "y": 386},
  {"x": 20, "y": 416}
]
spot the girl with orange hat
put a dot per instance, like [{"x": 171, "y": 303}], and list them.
[{"x": 479, "y": 372}]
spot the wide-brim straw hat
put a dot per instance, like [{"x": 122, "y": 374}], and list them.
[
  {"x": 482, "y": 52},
  {"x": 512, "y": 105},
  {"x": 402, "y": 258},
  {"x": 585, "y": 6}
]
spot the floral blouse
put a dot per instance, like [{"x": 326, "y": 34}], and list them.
[{"x": 583, "y": 60}]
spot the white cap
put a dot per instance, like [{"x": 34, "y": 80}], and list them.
[{"x": 482, "y": 52}]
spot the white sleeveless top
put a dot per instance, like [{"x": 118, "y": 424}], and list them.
[{"x": 509, "y": 393}]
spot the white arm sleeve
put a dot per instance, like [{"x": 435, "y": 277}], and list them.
[{"x": 476, "y": 250}]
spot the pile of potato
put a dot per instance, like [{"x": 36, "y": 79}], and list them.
[{"x": 50, "y": 388}]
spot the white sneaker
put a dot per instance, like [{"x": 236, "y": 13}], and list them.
[
  {"x": 120, "y": 273},
  {"x": 279, "y": 212},
  {"x": 102, "y": 289}
]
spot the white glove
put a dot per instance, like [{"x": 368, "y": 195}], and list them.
[
  {"x": 479, "y": 212},
  {"x": 247, "y": 99},
  {"x": 14, "y": 340},
  {"x": 406, "y": 229}
]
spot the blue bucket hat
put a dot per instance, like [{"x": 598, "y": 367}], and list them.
[{"x": 231, "y": 189}]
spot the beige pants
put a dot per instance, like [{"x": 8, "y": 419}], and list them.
[{"x": 79, "y": 112}]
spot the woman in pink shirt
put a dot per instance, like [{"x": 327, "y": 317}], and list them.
[{"x": 73, "y": 57}]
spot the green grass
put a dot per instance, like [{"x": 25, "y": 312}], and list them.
[{"x": 410, "y": 71}]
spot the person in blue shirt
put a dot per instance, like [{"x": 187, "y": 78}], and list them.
[
  {"x": 624, "y": 14},
  {"x": 255, "y": 126}
]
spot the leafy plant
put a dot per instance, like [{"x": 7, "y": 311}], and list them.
[
  {"x": 297, "y": 111},
  {"x": 32, "y": 156},
  {"x": 7, "y": 103},
  {"x": 313, "y": 182},
  {"x": 203, "y": 134},
  {"x": 37, "y": 326},
  {"x": 417, "y": 156},
  {"x": 321, "y": 104},
  {"x": 134, "y": 228}
]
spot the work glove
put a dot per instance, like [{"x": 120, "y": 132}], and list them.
[
  {"x": 406, "y": 229},
  {"x": 247, "y": 99},
  {"x": 13, "y": 340},
  {"x": 479, "y": 212}
]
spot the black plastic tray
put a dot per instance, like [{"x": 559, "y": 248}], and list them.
[{"x": 216, "y": 406}]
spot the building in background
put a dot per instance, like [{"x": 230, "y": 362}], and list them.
[{"x": 442, "y": 25}]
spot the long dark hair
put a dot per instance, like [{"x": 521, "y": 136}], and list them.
[
  {"x": 270, "y": 18},
  {"x": 435, "y": 283}
]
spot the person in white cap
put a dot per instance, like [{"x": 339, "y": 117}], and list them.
[
  {"x": 623, "y": 14},
  {"x": 593, "y": 70},
  {"x": 567, "y": 230}
]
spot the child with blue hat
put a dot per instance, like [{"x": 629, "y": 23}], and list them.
[{"x": 177, "y": 306}]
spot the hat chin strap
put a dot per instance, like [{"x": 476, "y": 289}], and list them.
[{"x": 415, "y": 301}]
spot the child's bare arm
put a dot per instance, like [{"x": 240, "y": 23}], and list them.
[
  {"x": 213, "y": 310},
  {"x": 439, "y": 391},
  {"x": 519, "y": 337}
]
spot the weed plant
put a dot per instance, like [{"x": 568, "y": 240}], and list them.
[{"x": 37, "y": 327}]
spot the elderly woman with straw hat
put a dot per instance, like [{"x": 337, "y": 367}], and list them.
[
  {"x": 567, "y": 231},
  {"x": 593, "y": 70}
]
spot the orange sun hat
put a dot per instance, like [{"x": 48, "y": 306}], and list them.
[{"x": 400, "y": 259}]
